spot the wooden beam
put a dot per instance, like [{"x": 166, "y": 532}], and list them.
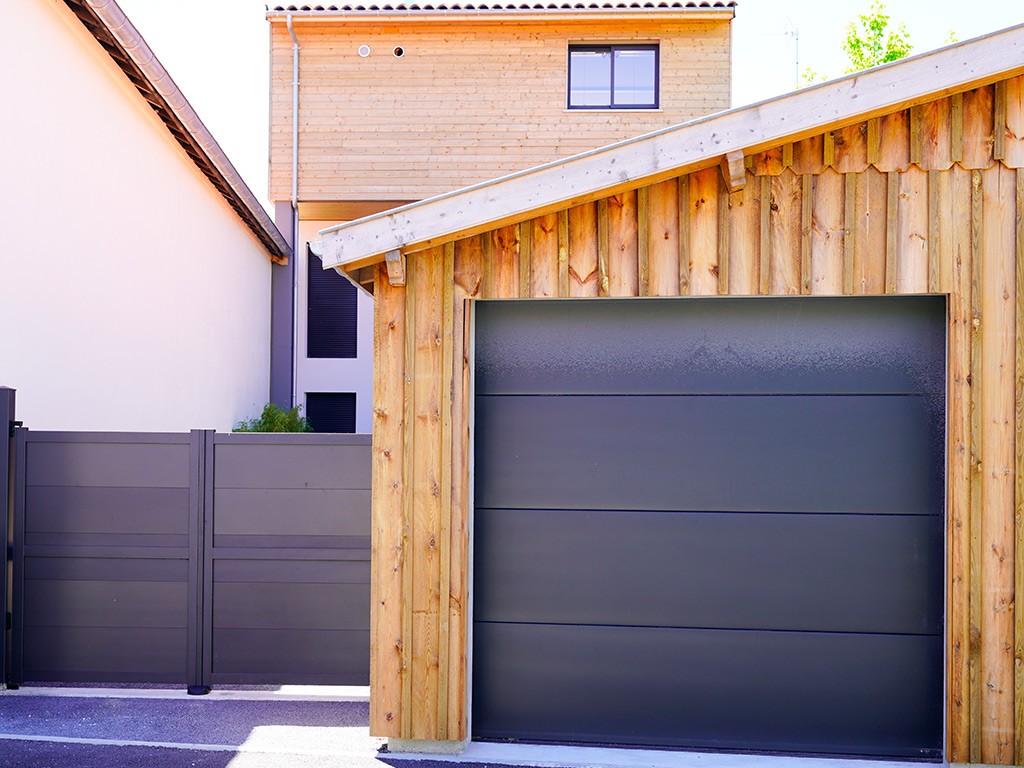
[
  {"x": 733, "y": 170},
  {"x": 445, "y": 538},
  {"x": 999, "y": 121},
  {"x": 679, "y": 149},
  {"x": 977, "y": 457},
  {"x": 395, "y": 262},
  {"x": 956, "y": 127},
  {"x": 765, "y": 265}
]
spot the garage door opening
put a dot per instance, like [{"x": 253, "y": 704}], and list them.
[{"x": 711, "y": 523}]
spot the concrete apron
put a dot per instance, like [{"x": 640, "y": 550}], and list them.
[{"x": 558, "y": 756}]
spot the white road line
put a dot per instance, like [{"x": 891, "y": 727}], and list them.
[{"x": 285, "y": 693}]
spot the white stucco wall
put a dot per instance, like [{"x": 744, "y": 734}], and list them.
[
  {"x": 341, "y": 374},
  {"x": 131, "y": 295}
]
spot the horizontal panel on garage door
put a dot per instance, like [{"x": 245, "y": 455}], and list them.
[
  {"x": 878, "y": 454},
  {"x": 747, "y": 345},
  {"x": 791, "y": 691},
  {"x": 843, "y": 573}
]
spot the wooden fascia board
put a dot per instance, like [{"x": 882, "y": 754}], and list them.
[{"x": 676, "y": 150}]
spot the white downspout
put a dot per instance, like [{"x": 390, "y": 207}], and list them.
[{"x": 295, "y": 211}]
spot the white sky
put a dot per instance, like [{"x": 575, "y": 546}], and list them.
[{"x": 217, "y": 53}]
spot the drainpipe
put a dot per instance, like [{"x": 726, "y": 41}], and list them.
[{"x": 295, "y": 211}]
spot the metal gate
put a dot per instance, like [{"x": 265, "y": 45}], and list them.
[{"x": 191, "y": 559}]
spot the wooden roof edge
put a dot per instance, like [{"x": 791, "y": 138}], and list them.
[
  {"x": 568, "y": 14},
  {"x": 115, "y": 33},
  {"x": 678, "y": 149}
]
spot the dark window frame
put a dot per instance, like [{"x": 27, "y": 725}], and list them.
[{"x": 611, "y": 49}]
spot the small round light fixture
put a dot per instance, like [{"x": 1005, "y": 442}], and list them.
[
  {"x": 399, "y": 51},
  {"x": 364, "y": 51}
]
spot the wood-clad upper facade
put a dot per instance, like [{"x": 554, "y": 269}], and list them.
[
  {"x": 475, "y": 94},
  {"x": 925, "y": 196}
]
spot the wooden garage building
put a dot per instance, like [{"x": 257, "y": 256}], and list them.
[{"x": 843, "y": 519}]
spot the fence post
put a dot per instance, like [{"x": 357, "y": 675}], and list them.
[
  {"x": 6, "y": 519},
  {"x": 198, "y": 498}
]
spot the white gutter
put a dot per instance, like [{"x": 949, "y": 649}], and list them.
[{"x": 122, "y": 30}]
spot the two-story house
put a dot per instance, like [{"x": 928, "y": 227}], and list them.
[{"x": 377, "y": 105}]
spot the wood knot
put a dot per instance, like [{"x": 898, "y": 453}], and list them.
[{"x": 389, "y": 716}]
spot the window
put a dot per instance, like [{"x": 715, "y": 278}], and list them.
[
  {"x": 613, "y": 77},
  {"x": 330, "y": 312},
  {"x": 331, "y": 411}
]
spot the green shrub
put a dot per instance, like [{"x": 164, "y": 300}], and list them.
[{"x": 274, "y": 419}]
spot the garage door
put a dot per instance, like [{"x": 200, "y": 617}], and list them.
[{"x": 711, "y": 523}]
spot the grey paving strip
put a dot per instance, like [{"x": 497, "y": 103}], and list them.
[{"x": 232, "y": 748}]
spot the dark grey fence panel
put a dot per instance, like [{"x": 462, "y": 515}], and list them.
[
  {"x": 287, "y": 559},
  {"x": 6, "y": 531},
  {"x": 191, "y": 558},
  {"x": 103, "y": 573}
]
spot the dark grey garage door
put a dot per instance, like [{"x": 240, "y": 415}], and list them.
[{"x": 711, "y": 523}]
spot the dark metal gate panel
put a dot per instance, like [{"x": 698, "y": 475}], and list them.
[
  {"x": 6, "y": 520},
  {"x": 102, "y": 566},
  {"x": 288, "y": 559},
  {"x": 711, "y": 523}
]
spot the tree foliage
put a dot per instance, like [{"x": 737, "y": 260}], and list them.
[
  {"x": 871, "y": 41},
  {"x": 274, "y": 419}
]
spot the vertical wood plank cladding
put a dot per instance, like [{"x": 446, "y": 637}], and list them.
[
  {"x": 466, "y": 279},
  {"x": 525, "y": 260},
  {"x": 977, "y": 505},
  {"x": 563, "y": 253},
  {"x": 765, "y": 259},
  {"x": 809, "y": 155},
  {"x": 806, "y": 215},
  {"x": 870, "y": 229},
  {"x": 935, "y": 136},
  {"x": 387, "y": 567},
  {"x": 1014, "y": 153},
  {"x": 1018, "y": 554},
  {"x": 953, "y": 238},
  {"x": 444, "y": 539},
  {"x": 826, "y": 267},
  {"x": 849, "y": 229},
  {"x": 704, "y": 232},
  {"x": 935, "y": 254},
  {"x": 683, "y": 193},
  {"x": 724, "y": 212},
  {"x": 998, "y": 405},
  {"x": 960, "y": 464},
  {"x": 977, "y": 128},
  {"x": 623, "y": 275},
  {"x": 787, "y": 156},
  {"x": 409, "y": 561},
  {"x": 505, "y": 262},
  {"x": 892, "y": 204},
  {"x": 851, "y": 148},
  {"x": 603, "y": 247},
  {"x": 643, "y": 222},
  {"x": 583, "y": 273},
  {"x": 785, "y": 221},
  {"x": 912, "y": 226},
  {"x": 894, "y": 142},
  {"x": 745, "y": 239},
  {"x": 663, "y": 239},
  {"x": 427, "y": 272},
  {"x": 544, "y": 257}
]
